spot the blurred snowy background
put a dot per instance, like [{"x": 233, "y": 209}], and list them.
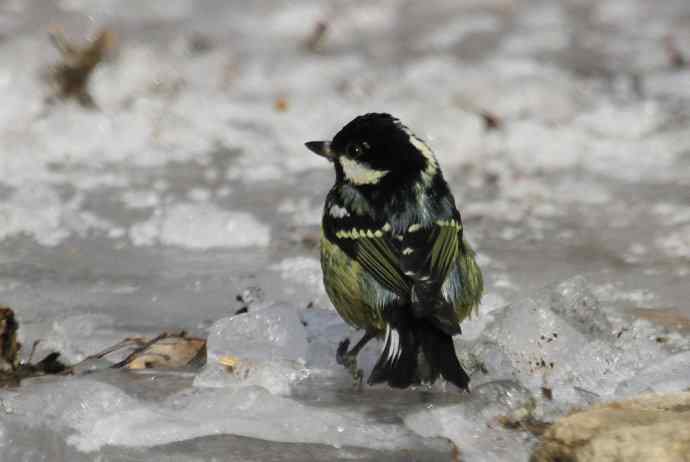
[{"x": 563, "y": 129}]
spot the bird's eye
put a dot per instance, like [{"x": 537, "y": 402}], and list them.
[{"x": 355, "y": 150}]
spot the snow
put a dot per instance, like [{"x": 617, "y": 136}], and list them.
[
  {"x": 676, "y": 244},
  {"x": 454, "y": 32},
  {"x": 200, "y": 226},
  {"x": 302, "y": 273},
  {"x": 34, "y": 211}
]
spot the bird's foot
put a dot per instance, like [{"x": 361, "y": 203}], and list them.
[
  {"x": 341, "y": 352},
  {"x": 348, "y": 359}
]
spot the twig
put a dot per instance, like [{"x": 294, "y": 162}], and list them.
[
  {"x": 132, "y": 356},
  {"x": 33, "y": 350},
  {"x": 118, "y": 346}
]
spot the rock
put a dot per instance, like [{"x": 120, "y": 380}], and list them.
[{"x": 649, "y": 427}]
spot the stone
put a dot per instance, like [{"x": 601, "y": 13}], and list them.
[{"x": 649, "y": 427}]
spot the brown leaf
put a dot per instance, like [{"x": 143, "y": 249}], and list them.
[
  {"x": 547, "y": 393},
  {"x": 675, "y": 56},
  {"x": 280, "y": 104},
  {"x": 70, "y": 77},
  {"x": 167, "y": 352},
  {"x": 316, "y": 39},
  {"x": 11, "y": 371},
  {"x": 491, "y": 120},
  {"x": 9, "y": 347}
]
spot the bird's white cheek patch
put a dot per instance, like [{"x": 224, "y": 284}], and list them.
[{"x": 358, "y": 173}]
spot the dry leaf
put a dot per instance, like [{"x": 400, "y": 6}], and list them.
[
  {"x": 9, "y": 347},
  {"x": 675, "y": 57},
  {"x": 11, "y": 371},
  {"x": 70, "y": 78},
  {"x": 317, "y": 37},
  {"x": 230, "y": 362},
  {"x": 280, "y": 104},
  {"x": 167, "y": 352},
  {"x": 491, "y": 120}
]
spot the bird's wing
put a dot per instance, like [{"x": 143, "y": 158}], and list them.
[
  {"x": 429, "y": 252},
  {"x": 418, "y": 259},
  {"x": 378, "y": 255}
]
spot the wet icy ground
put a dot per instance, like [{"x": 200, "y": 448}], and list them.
[{"x": 190, "y": 186}]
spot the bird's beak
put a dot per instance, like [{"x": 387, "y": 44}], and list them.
[{"x": 322, "y": 148}]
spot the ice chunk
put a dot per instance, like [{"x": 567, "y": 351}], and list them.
[
  {"x": 78, "y": 336},
  {"x": 533, "y": 337},
  {"x": 632, "y": 122},
  {"x": 253, "y": 174},
  {"x": 676, "y": 243},
  {"x": 532, "y": 145},
  {"x": 669, "y": 375},
  {"x": 200, "y": 226},
  {"x": 4, "y": 442},
  {"x": 574, "y": 301},
  {"x": 266, "y": 346},
  {"x": 96, "y": 414},
  {"x": 276, "y": 376},
  {"x": 140, "y": 198},
  {"x": 452, "y": 33},
  {"x": 325, "y": 331},
  {"x": 272, "y": 332},
  {"x": 472, "y": 327},
  {"x": 304, "y": 273},
  {"x": 107, "y": 9},
  {"x": 472, "y": 424},
  {"x": 34, "y": 209},
  {"x": 560, "y": 340},
  {"x": 302, "y": 212},
  {"x": 668, "y": 84}
]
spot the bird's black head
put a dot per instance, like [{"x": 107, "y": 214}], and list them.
[{"x": 376, "y": 148}]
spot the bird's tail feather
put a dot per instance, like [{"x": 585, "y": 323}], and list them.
[
  {"x": 439, "y": 353},
  {"x": 416, "y": 350},
  {"x": 397, "y": 364}
]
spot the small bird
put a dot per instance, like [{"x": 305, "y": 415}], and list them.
[{"x": 394, "y": 259}]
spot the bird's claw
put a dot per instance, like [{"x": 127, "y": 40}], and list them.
[
  {"x": 341, "y": 354},
  {"x": 348, "y": 359}
]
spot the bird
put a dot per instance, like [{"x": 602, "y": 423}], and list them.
[{"x": 394, "y": 259}]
